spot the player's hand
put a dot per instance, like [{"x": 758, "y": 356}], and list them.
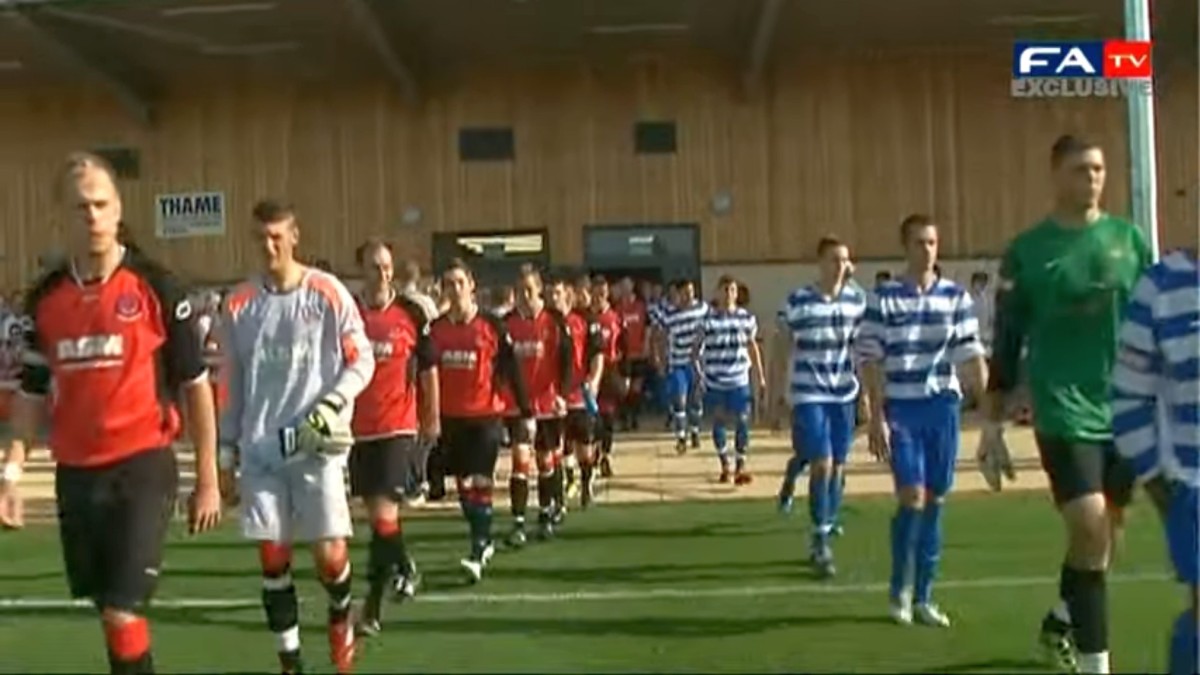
[
  {"x": 995, "y": 461},
  {"x": 560, "y": 406},
  {"x": 204, "y": 507},
  {"x": 323, "y": 431},
  {"x": 529, "y": 428},
  {"x": 878, "y": 442},
  {"x": 12, "y": 506},
  {"x": 430, "y": 432}
]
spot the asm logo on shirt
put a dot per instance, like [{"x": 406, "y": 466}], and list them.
[
  {"x": 528, "y": 349},
  {"x": 632, "y": 318},
  {"x": 460, "y": 359},
  {"x": 90, "y": 347},
  {"x": 383, "y": 350}
]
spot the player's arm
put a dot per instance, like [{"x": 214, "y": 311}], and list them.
[
  {"x": 966, "y": 347},
  {"x": 595, "y": 356},
  {"x": 1008, "y": 339},
  {"x": 509, "y": 368},
  {"x": 358, "y": 359},
  {"x": 564, "y": 355},
  {"x": 756, "y": 361},
  {"x": 187, "y": 372},
  {"x": 28, "y": 405},
  {"x": 428, "y": 387},
  {"x": 869, "y": 349},
  {"x": 1136, "y": 381},
  {"x": 231, "y": 372}
]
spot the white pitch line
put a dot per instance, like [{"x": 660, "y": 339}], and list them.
[{"x": 617, "y": 595}]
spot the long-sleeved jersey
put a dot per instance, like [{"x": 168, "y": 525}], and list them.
[
  {"x": 284, "y": 352},
  {"x": 1158, "y": 364}
]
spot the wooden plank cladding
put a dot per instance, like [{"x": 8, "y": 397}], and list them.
[{"x": 847, "y": 146}]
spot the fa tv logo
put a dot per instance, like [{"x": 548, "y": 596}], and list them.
[{"x": 1108, "y": 68}]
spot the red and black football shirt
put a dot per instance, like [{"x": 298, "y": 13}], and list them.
[
  {"x": 112, "y": 355},
  {"x": 475, "y": 362},
  {"x": 402, "y": 346}
]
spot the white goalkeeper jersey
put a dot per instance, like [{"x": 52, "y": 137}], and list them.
[{"x": 283, "y": 353}]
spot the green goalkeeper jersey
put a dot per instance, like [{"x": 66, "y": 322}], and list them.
[{"x": 1063, "y": 292}]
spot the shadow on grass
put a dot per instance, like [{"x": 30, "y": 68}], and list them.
[{"x": 997, "y": 665}]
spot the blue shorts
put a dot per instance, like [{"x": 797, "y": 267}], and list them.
[
  {"x": 924, "y": 438},
  {"x": 823, "y": 430},
  {"x": 681, "y": 381},
  {"x": 735, "y": 402},
  {"x": 1183, "y": 541}
]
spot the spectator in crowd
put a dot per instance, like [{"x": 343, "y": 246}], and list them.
[{"x": 882, "y": 277}]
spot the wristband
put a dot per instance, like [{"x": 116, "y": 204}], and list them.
[{"x": 12, "y": 473}]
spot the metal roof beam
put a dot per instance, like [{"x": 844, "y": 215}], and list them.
[
  {"x": 369, "y": 23},
  {"x": 134, "y": 102},
  {"x": 760, "y": 45}
]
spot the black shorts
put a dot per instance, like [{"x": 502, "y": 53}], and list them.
[
  {"x": 471, "y": 445},
  {"x": 387, "y": 467},
  {"x": 1078, "y": 468},
  {"x": 113, "y": 521},
  {"x": 549, "y": 434},
  {"x": 579, "y": 427},
  {"x": 637, "y": 369}
]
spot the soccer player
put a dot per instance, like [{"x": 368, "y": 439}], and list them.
[
  {"x": 918, "y": 332},
  {"x": 110, "y": 320},
  {"x": 613, "y": 385},
  {"x": 476, "y": 361},
  {"x": 1158, "y": 362},
  {"x": 394, "y": 417},
  {"x": 296, "y": 358},
  {"x": 725, "y": 354},
  {"x": 543, "y": 349},
  {"x": 1063, "y": 284},
  {"x": 822, "y": 321},
  {"x": 681, "y": 329},
  {"x": 656, "y": 312},
  {"x": 636, "y": 363},
  {"x": 587, "y": 367}
]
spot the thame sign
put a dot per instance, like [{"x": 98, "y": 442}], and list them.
[{"x": 190, "y": 214}]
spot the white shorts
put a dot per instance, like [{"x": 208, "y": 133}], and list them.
[{"x": 303, "y": 501}]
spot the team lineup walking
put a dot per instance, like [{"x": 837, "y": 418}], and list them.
[{"x": 383, "y": 396}]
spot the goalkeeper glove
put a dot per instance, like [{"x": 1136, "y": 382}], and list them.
[
  {"x": 995, "y": 462},
  {"x": 321, "y": 432}
]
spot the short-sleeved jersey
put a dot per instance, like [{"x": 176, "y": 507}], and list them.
[
  {"x": 475, "y": 362},
  {"x": 919, "y": 336},
  {"x": 822, "y": 331},
  {"x": 1158, "y": 362},
  {"x": 633, "y": 322},
  {"x": 285, "y": 351},
  {"x": 725, "y": 339},
  {"x": 655, "y": 312},
  {"x": 116, "y": 351},
  {"x": 611, "y": 335},
  {"x": 399, "y": 337},
  {"x": 586, "y": 343},
  {"x": 1062, "y": 292},
  {"x": 542, "y": 345},
  {"x": 682, "y": 326}
]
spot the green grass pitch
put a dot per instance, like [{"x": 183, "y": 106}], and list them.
[{"x": 691, "y": 587}]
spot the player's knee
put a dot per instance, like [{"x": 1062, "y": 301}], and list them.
[
  {"x": 383, "y": 508},
  {"x": 385, "y": 524},
  {"x": 481, "y": 483},
  {"x": 332, "y": 557},
  {"x": 1089, "y": 531},
  {"x": 275, "y": 558},
  {"x": 522, "y": 467},
  {"x": 911, "y": 496},
  {"x": 822, "y": 468},
  {"x": 546, "y": 463}
]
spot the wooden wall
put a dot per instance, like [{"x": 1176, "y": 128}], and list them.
[{"x": 847, "y": 146}]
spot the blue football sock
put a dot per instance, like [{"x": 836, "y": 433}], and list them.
[
  {"x": 741, "y": 436},
  {"x": 929, "y": 551},
  {"x": 836, "y": 487},
  {"x": 904, "y": 530},
  {"x": 1184, "y": 644},
  {"x": 818, "y": 507},
  {"x": 679, "y": 422},
  {"x": 720, "y": 440}
]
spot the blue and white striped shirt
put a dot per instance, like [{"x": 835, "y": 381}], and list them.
[
  {"x": 725, "y": 341},
  {"x": 655, "y": 311},
  {"x": 682, "y": 325},
  {"x": 920, "y": 337},
  {"x": 823, "y": 331},
  {"x": 1156, "y": 380}
]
